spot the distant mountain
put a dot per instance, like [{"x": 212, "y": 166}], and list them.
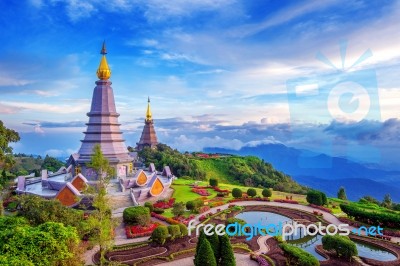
[{"x": 323, "y": 172}]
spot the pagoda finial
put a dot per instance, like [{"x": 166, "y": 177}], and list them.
[
  {"x": 148, "y": 112},
  {"x": 103, "y": 72}
]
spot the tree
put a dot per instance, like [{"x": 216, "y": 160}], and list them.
[
  {"x": 266, "y": 192},
  {"x": 51, "y": 164},
  {"x": 7, "y": 136},
  {"x": 227, "y": 256},
  {"x": 215, "y": 245},
  {"x": 1, "y": 208},
  {"x": 251, "y": 192},
  {"x": 370, "y": 199},
  {"x": 137, "y": 215},
  {"x": 174, "y": 231},
  {"x": 213, "y": 182},
  {"x": 178, "y": 209},
  {"x": 205, "y": 255},
  {"x": 47, "y": 244},
  {"x": 344, "y": 247},
  {"x": 101, "y": 220},
  {"x": 387, "y": 201},
  {"x": 159, "y": 235},
  {"x": 342, "y": 194},
  {"x": 237, "y": 193}
]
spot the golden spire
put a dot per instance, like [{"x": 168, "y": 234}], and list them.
[
  {"x": 148, "y": 112},
  {"x": 103, "y": 72}
]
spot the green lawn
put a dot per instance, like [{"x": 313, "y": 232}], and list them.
[{"x": 182, "y": 191}]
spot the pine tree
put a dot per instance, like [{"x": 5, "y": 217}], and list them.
[
  {"x": 206, "y": 254},
  {"x": 215, "y": 245},
  {"x": 200, "y": 241},
  {"x": 387, "y": 201},
  {"x": 342, "y": 194},
  {"x": 226, "y": 251}
]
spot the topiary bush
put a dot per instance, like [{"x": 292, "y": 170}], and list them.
[
  {"x": 316, "y": 197},
  {"x": 297, "y": 256},
  {"x": 158, "y": 210},
  {"x": 237, "y": 193},
  {"x": 344, "y": 247},
  {"x": 137, "y": 215},
  {"x": 174, "y": 231},
  {"x": 213, "y": 182},
  {"x": 183, "y": 229},
  {"x": 159, "y": 235},
  {"x": 149, "y": 205},
  {"x": 266, "y": 192},
  {"x": 251, "y": 192}
]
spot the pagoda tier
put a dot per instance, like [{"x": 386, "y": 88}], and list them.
[{"x": 103, "y": 127}]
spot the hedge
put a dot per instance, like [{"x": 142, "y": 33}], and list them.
[
  {"x": 385, "y": 219},
  {"x": 297, "y": 256}
]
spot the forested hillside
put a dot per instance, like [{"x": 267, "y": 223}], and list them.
[{"x": 249, "y": 170}]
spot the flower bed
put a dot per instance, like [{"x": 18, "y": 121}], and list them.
[
  {"x": 183, "y": 220},
  {"x": 163, "y": 218},
  {"x": 164, "y": 204},
  {"x": 204, "y": 209},
  {"x": 201, "y": 191},
  {"x": 321, "y": 208},
  {"x": 139, "y": 231},
  {"x": 217, "y": 189},
  {"x": 249, "y": 199},
  {"x": 287, "y": 201}
]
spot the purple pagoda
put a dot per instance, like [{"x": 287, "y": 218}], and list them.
[
  {"x": 103, "y": 128},
  {"x": 149, "y": 137}
]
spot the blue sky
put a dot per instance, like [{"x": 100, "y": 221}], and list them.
[{"x": 219, "y": 73}]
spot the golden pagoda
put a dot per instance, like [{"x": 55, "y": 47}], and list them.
[{"x": 103, "y": 72}]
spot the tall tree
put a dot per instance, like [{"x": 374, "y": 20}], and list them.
[
  {"x": 387, "y": 201},
  {"x": 227, "y": 256},
  {"x": 206, "y": 255},
  {"x": 101, "y": 220},
  {"x": 7, "y": 136},
  {"x": 342, "y": 194}
]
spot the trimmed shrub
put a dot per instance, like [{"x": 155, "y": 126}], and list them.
[
  {"x": 183, "y": 229},
  {"x": 316, "y": 197},
  {"x": 213, "y": 182},
  {"x": 178, "y": 209},
  {"x": 158, "y": 210},
  {"x": 251, "y": 192},
  {"x": 190, "y": 205},
  {"x": 237, "y": 193},
  {"x": 174, "y": 231},
  {"x": 344, "y": 247},
  {"x": 159, "y": 235},
  {"x": 149, "y": 205},
  {"x": 266, "y": 192},
  {"x": 297, "y": 256},
  {"x": 136, "y": 215}
]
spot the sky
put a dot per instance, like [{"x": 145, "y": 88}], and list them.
[{"x": 317, "y": 75}]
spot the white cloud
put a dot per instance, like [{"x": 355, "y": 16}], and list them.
[{"x": 47, "y": 108}]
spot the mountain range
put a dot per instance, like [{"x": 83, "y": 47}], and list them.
[{"x": 324, "y": 172}]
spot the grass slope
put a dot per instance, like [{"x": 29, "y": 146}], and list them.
[{"x": 215, "y": 168}]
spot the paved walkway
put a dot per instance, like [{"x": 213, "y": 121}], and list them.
[
  {"x": 263, "y": 245},
  {"x": 241, "y": 260}
]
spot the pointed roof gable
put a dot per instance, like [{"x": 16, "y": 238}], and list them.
[
  {"x": 156, "y": 186},
  {"x": 68, "y": 195},
  {"x": 167, "y": 171},
  {"x": 152, "y": 168}
]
